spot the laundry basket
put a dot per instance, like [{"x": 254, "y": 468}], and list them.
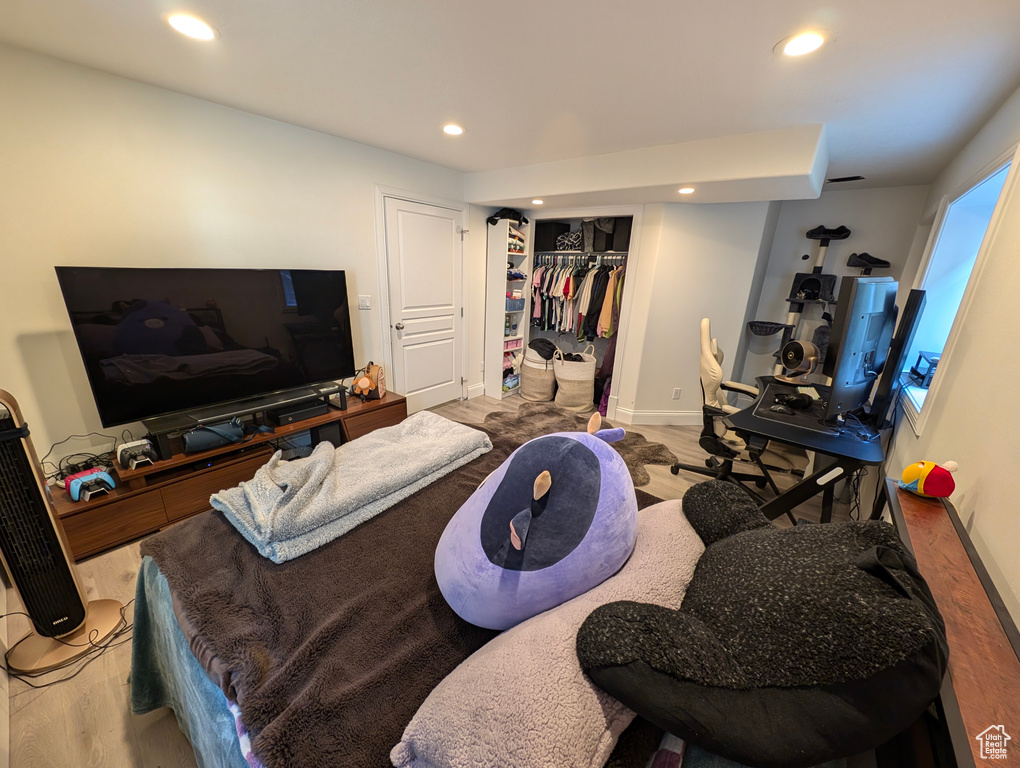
[
  {"x": 538, "y": 381},
  {"x": 575, "y": 382}
]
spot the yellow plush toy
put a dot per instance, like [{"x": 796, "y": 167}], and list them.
[{"x": 926, "y": 478}]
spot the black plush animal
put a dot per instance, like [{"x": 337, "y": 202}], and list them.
[
  {"x": 791, "y": 647},
  {"x": 507, "y": 213}
]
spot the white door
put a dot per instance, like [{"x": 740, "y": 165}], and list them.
[{"x": 424, "y": 263}]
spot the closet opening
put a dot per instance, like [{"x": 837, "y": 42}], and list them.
[{"x": 578, "y": 273}]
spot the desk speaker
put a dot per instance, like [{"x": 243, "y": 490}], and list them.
[{"x": 36, "y": 557}]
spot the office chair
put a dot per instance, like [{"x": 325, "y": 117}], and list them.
[{"x": 724, "y": 446}]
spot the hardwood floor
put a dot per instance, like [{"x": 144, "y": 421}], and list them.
[
  {"x": 682, "y": 441},
  {"x": 87, "y": 721}
]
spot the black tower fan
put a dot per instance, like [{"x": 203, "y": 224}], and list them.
[{"x": 35, "y": 554}]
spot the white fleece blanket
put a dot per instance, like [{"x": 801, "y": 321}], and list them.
[{"x": 293, "y": 507}]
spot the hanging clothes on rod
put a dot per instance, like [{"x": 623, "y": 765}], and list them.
[{"x": 577, "y": 293}]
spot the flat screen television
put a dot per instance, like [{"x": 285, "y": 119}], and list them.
[{"x": 156, "y": 341}]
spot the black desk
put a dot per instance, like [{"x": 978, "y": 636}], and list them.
[{"x": 848, "y": 451}]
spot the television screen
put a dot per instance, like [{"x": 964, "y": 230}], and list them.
[{"x": 155, "y": 341}]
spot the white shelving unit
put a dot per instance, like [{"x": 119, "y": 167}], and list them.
[{"x": 497, "y": 317}]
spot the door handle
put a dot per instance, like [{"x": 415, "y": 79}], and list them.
[{"x": 399, "y": 326}]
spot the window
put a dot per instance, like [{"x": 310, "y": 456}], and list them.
[
  {"x": 946, "y": 275},
  {"x": 289, "y": 297}
]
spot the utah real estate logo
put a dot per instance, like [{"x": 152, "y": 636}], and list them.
[{"x": 993, "y": 742}]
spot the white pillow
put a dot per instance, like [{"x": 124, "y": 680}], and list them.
[{"x": 522, "y": 701}]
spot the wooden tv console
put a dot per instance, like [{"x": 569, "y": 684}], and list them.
[{"x": 152, "y": 497}]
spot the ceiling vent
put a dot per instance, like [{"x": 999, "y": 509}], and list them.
[{"x": 842, "y": 179}]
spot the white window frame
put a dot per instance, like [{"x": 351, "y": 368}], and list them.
[{"x": 918, "y": 419}]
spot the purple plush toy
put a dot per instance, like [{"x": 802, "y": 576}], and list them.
[{"x": 556, "y": 519}]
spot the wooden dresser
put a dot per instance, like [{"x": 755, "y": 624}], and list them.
[{"x": 154, "y": 496}]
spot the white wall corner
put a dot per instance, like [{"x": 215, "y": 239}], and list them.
[
  {"x": 475, "y": 390},
  {"x": 757, "y": 283},
  {"x": 820, "y": 164}
]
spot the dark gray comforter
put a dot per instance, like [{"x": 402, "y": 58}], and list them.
[{"x": 330, "y": 655}]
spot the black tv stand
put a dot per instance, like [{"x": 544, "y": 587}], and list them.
[{"x": 163, "y": 428}]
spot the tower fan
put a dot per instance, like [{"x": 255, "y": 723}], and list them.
[{"x": 35, "y": 554}]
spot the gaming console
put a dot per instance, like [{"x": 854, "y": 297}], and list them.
[
  {"x": 279, "y": 417},
  {"x": 82, "y": 486},
  {"x": 135, "y": 454}
]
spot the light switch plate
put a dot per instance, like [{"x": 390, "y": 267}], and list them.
[{"x": 364, "y": 302}]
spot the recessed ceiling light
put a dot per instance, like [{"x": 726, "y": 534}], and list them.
[
  {"x": 191, "y": 26},
  {"x": 537, "y": 202},
  {"x": 686, "y": 190},
  {"x": 803, "y": 43},
  {"x": 452, "y": 129}
]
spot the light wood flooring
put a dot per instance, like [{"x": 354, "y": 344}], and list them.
[{"x": 87, "y": 721}]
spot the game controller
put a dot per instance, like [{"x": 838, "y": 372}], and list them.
[
  {"x": 82, "y": 486},
  {"x": 136, "y": 453}
]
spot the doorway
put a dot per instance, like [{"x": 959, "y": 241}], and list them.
[
  {"x": 424, "y": 278},
  {"x": 578, "y": 276}
]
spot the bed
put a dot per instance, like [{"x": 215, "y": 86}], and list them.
[{"x": 296, "y": 645}]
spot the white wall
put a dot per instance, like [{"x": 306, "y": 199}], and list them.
[
  {"x": 780, "y": 164},
  {"x": 971, "y": 419},
  {"x": 100, "y": 170},
  {"x": 882, "y": 222},
  {"x": 695, "y": 261},
  {"x": 757, "y": 284}
]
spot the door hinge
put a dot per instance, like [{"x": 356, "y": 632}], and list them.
[
  {"x": 462, "y": 311},
  {"x": 461, "y": 232},
  {"x": 462, "y": 381}
]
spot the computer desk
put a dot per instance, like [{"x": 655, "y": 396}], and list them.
[{"x": 847, "y": 451}]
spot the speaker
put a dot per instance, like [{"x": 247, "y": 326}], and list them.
[{"x": 36, "y": 555}]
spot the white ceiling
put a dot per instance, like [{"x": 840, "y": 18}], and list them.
[{"x": 904, "y": 83}]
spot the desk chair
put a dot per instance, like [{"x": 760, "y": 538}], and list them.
[{"x": 724, "y": 446}]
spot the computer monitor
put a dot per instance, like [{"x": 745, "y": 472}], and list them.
[
  {"x": 889, "y": 384},
  {"x": 859, "y": 342}
]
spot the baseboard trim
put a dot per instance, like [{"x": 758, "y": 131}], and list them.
[
  {"x": 659, "y": 418},
  {"x": 612, "y": 406},
  {"x": 475, "y": 390}
]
